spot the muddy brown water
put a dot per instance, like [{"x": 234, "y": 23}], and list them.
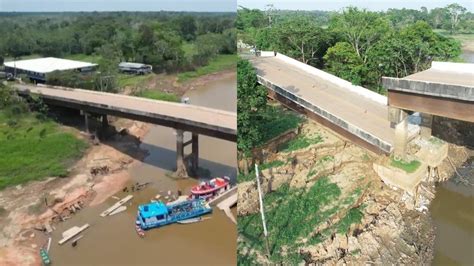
[
  {"x": 452, "y": 211},
  {"x": 113, "y": 240}
]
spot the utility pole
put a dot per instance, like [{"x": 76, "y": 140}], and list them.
[{"x": 265, "y": 233}]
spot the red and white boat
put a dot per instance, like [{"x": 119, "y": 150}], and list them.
[{"x": 210, "y": 189}]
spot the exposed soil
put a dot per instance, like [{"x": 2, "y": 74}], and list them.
[
  {"x": 170, "y": 84},
  {"x": 395, "y": 228}
]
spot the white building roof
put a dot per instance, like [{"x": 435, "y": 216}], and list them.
[{"x": 48, "y": 64}]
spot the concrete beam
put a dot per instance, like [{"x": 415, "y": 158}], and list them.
[
  {"x": 451, "y": 91},
  {"x": 445, "y": 107}
]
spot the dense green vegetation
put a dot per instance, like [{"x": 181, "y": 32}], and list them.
[
  {"x": 258, "y": 122},
  {"x": 408, "y": 167},
  {"x": 169, "y": 41},
  {"x": 251, "y": 103},
  {"x": 158, "y": 95},
  {"x": 359, "y": 45},
  {"x": 299, "y": 212},
  {"x": 277, "y": 120},
  {"x": 32, "y": 146},
  {"x": 219, "y": 63}
]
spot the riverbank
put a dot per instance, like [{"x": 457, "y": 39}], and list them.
[
  {"x": 102, "y": 172},
  {"x": 349, "y": 215}
]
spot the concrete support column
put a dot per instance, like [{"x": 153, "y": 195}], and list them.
[
  {"x": 181, "y": 170},
  {"x": 105, "y": 122},
  {"x": 401, "y": 136},
  {"x": 426, "y": 123},
  {"x": 86, "y": 120},
  {"x": 195, "y": 152}
]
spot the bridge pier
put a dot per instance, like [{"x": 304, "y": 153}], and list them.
[
  {"x": 105, "y": 122},
  {"x": 399, "y": 120},
  {"x": 182, "y": 161},
  {"x": 195, "y": 153},
  {"x": 426, "y": 123},
  {"x": 86, "y": 121},
  {"x": 181, "y": 169}
]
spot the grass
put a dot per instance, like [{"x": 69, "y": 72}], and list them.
[
  {"x": 278, "y": 121},
  {"x": 436, "y": 141},
  {"x": 32, "y": 149},
  {"x": 159, "y": 95},
  {"x": 408, "y": 167},
  {"x": 127, "y": 80},
  {"x": 466, "y": 39},
  {"x": 353, "y": 216},
  {"x": 300, "y": 142},
  {"x": 219, "y": 63},
  {"x": 291, "y": 215}
]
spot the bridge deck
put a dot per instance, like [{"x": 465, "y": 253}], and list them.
[
  {"x": 444, "y": 77},
  {"x": 349, "y": 106},
  {"x": 197, "y": 117}
]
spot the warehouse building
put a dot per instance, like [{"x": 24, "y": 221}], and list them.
[{"x": 38, "y": 69}]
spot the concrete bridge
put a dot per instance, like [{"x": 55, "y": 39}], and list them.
[
  {"x": 368, "y": 119},
  {"x": 352, "y": 111},
  {"x": 182, "y": 117},
  {"x": 446, "y": 89}
]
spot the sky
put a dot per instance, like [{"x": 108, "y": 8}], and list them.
[
  {"x": 117, "y": 5},
  {"x": 374, "y": 5}
]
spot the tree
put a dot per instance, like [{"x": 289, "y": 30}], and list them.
[
  {"x": 455, "y": 12},
  {"x": 361, "y": 28},
  {"x": 437, "y": 17},
  {"x": 187, "y": 27},
  {"x": 300, "y": 38},
  {"x": 251, "y": 103},
  {"x": 343, "y": 61},
  {"x": 250, "y": 18}
]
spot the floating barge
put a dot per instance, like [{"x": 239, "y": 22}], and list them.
[{"x": 157, "y": 214}]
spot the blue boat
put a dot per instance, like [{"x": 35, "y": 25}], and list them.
[{"x": 156, "y": 214}]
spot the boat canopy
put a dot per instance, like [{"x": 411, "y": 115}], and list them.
[{"x": 152, "y": 209}]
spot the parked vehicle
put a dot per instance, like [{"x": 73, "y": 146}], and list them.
[{"x": 135, "y": 68}]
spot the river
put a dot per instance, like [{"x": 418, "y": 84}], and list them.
[
  {"x": 113, "y": 240},
  {"x": 452, "y": 211}
]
